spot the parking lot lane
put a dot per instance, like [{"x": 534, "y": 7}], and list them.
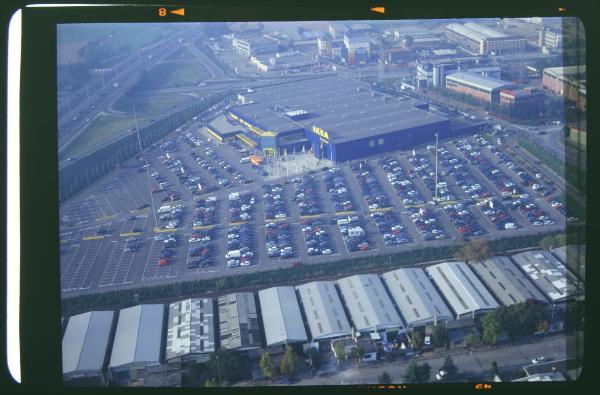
[{"x": 76, "y": 273}]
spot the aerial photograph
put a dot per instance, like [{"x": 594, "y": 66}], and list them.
[{"x": 322, "y": 203}]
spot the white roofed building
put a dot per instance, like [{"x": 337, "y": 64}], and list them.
[
  {"x": 281, "y": 316},
  {"x": 137, "y": 342},
  {"x": 369, "y": 305},
  {"x": 463, "y": 291},
  {"x": 190, "y": 329},
  {"x": 416, "y": 297},
  {"x": 323, "y": 310},
  {"x": 84, "y": 347}
]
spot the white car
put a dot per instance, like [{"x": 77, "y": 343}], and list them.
[
  {"x": 280, "y": 215},
  {"x": 326, "y": 251},
  {"x": 233, "y": 263},
  {"x": 537, "y": 360}
]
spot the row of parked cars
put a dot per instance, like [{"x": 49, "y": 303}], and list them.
[
  {"x": 390, "y": 226},
  {"x": 211, "y": 168},
  {"x": 167, "y": 254},
  {"x": 279, "y": 240},
  {"x": 494, "y": 211},
  {"x": 170, "y": 216},
  {"x": 426, "y": 172},
  {"x": 532, "y": 212},
  {"x": 336, "y": 185},
  {"x": 464, "y": 222},
  {"x": 240, "y": 206},
  {"x": 205, "y": 212},
  {"x": 235, "y": 173},
  {"x": 201, "y": 251},
  {"x": 240, "y": 246},
  {"x": 316, "y": 239},
  {"x": 401, "y": 181},
  {"x": 305, "y": 195},
  {"x": 427, "y": 223},
  {"x": 353, "y": 232},
  {"x": 370, "y": 187},
  {"x": 464, "y": 179},
  {"x": 274, "y": 200}
]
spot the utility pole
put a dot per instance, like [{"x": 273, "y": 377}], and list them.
[{"x": 436, "y": 167}]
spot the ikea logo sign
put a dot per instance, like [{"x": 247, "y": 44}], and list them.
[{"x": 320, "y": 132}]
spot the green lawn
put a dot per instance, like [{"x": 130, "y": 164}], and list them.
[
  {"x": 102, "y": 128},
  {"x": 147, "y": 105},
  {"x": 174, "y": 74}
]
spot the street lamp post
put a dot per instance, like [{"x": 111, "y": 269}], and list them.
[{"x": 436, "y": 166}]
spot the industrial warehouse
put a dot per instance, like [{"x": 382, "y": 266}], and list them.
[
  {"x": 364, "y": 309},
  {"x": 335, "y": 118}
]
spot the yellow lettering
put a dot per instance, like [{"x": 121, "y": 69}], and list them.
[{"x": 320, "y": 132}]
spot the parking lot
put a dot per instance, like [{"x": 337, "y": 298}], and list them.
[{"x": 117, "y": 233}]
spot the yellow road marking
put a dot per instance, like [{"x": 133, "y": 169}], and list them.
[
  {"x": 203, "y": 227},
  {"x": 93, "y": 238},
  {"x": 158, "y": 230},
  {"x": 345, "y": 212},
  {"x": 130, "y": 234},
  {"x": 311, "y": 216},
  {"x": 107, "y": 217}
]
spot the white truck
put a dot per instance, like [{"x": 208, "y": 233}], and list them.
[
  {"x": 510, "y": 225},
  {"x": 245, "y": 160},
  {"x": 233, "y": 254},
  {"x": 164, "y": 209},
  {"x": 234, "y": 196}
]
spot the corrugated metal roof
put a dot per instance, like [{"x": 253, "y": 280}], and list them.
[
  {"x": 238, "y": 321},
  {"x": 487, "y": 31},
  {"x": 416, "y": 297},
  {"x": 479, "y": 81},
  {"x": 369, "y": 305},
  {"x": 85, "y": 342},
  {"x": 506, "y": 280},
  {"x": 138, "y": 336},
  {"x": 465, "y": 31},
  {"x": 281, "y": 314},
  {"x": 190, "y": 328},
  {"x": 463, "y": 291},
  {"x": 547, "y": 273},
  {"x": 323, "y": 309}
]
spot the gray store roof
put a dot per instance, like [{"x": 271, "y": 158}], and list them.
[
  {"x": 465, "y": 31},
  {"x": 479, "y": 81},
  {"x": 416, "y": 297},
  {"x": 281, "y": 313},
  {"x": 547, "y": 273},
  {"x": 323, "y": 309},
  {"x": 222, "y": 125},
  {"x": 238, "y": 321},
  {"x": 368, "y": 303},
  {"x": 138, "y": 336},
  {"x": 85, "y": 342},
  {"x": 346, "y": 109},
  {"x": 487, "y": 31},
  {"x": 190, "y": 328},
  {"x": 506, "y": 280},
  {"x": 463, "y": 291}
]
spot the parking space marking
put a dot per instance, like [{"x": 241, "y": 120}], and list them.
[
  {"x": 152, "y": 271},
  {"x": 76, "y": 273}
]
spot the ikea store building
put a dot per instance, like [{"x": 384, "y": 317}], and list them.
[{"x": 336, "y": 118}]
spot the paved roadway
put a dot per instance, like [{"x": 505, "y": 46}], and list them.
[{"x": 476, "y": 365}]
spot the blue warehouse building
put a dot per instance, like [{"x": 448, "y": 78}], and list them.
[{"x": 334, "y": 117}]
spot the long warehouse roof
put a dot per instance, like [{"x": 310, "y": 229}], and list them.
[
  {"x": 323, "y": 309},
  {"x": 463, "y": 291},
  {"x": 190, "y": 328},
  {"x": 85, "y": 342},
  {"x": 489, "y": 32},
  {"x": 548, "y": 273},
  {"x": 138, "y": 336},
  {"x": 345, "y": 109},
  {"x": 370, "y": 307},
  {"x": 281, "y": 313},
  {"x": 506, "y": 280},
  {"x": 418, "y": 300},
  {"x": 478, "y": 80},
  {"x": 238, "y": 321}
]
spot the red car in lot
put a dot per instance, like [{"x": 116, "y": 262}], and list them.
[{"x": 164, "y": 261}]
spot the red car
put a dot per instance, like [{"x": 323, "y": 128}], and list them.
[{"x": 164, "y": 261}]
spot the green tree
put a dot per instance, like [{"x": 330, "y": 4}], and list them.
[
  {"x": 476, "y": 250},
  {"x": 289, "y": 362},
  {"x": 385, "y": 378},
  {"x": 491, "y": 328},
  {"x": 212, "y": 382},
  {"x": 439, "y": 336},
  {"x": 267, "y": 367},
  {"x": 449, "y": 367},
  {"x": 228, "y": 366},
  {"x": 543, "y": 327},
  {"x": 548, "y": 242},
  {"x": 416, "y": 373},
  {"x": 340, "y": 352},
  {"x": 314, "y": 359},
  {"x": 416, "y": 340},
  {"x": 357, "y": 353},
  {"x": 471, "y": 340}
]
